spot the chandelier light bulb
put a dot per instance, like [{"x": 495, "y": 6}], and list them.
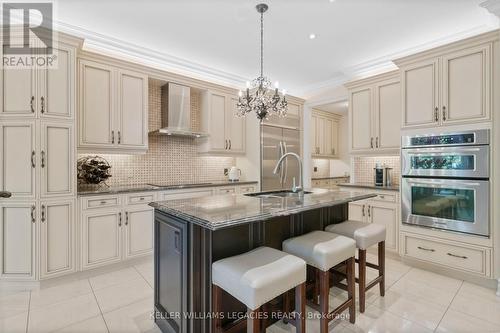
[
  {"x": 276, "y": 84},
  {"x": 283, "y": 92},
  {"x": 240, "y": 93},
  {"x": 248, "y": 84}
]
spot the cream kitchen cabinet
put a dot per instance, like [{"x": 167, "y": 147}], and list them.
[
  {"x": 57, "y": 250},
  {"x": 113, "y": 109},
  {"x": 138, "y": 231},
  {"x": 218, "y": 118},
  {"x": 374, "y": 114},
  {"x": 324, "y": 134},
  {"x": 40, "y": 92},
  {"x": 449, "y": 85},
  {"x": 18, "y": 238}
]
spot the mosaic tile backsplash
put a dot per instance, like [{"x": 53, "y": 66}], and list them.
[
  {"x": 362, "y": 168},
  {"x": 169, "y": 159}
]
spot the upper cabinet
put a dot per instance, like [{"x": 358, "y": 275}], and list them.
[
  {"x": 42, "y": 91},
  {"x": 324, "y": 134},
  {"x": 113, "y": 115},
  {"x": 219, "y": 119},
  {"x": 375, "y": 114},
  {"x": 449, "y": 85}
]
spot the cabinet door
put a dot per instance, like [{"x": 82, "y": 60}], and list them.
[
  {"x": 386, "y": 215},
  {"x": 320, "y": 135},
  {"x": 17, "y": 235},
  {"x": 357, "y": 211},
  {"x": 97, "y": 104},
  {"x": 19, "y": 157},
  {"x": 388, "y": 115},
  {"x": 235, "y": 128},
  {"x": 335, "y": 138},
  {"x": 56, "y": 87},
  {"x": 314, "y": 135},
  {"x": 132, "y": 131},
  {"x": 218, "y": 139},
  {"x": 361, "y": 119},
  {"x": 327, "y": 137},
  {"x": 139, "y": 231},
  {"x": 57, "y": 159},
  {"x": 18, "y": 92},
  {"x": 57, "y": 238},
  {"x": 171, "y": 269},
  {"x": 466, "y": 86},
  {"x": 101, "y": 238},
  {"x": 420, "y": 94}
]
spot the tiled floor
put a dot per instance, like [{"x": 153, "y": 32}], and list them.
[{"x": 121, "y": 301}]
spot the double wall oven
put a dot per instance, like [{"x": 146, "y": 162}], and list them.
[{"x": 445, "y": 181}]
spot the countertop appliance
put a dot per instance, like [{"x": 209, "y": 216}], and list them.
[
  {"x": 445, "y": 181},
  {"x": 234, "y": 174},
  {"x": 176, "y": 111},
  {"x": 278, "y": 138},
  {"x": 382, "y": 175}
]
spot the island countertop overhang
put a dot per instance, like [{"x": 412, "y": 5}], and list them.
[{"x": 222, "y": 211}]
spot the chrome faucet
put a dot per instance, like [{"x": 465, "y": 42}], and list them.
[{"x": 295, "y": 189}]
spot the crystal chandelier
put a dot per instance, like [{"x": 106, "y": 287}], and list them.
[{"x": 259, "y": 97}]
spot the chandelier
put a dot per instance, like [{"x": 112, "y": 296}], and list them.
[{"x": 259, "y": 97}]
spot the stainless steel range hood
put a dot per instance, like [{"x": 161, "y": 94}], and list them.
[{"x": 176, "y": 111}]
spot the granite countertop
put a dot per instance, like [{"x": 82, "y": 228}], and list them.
[
  {"x": 216, "y": 212},
  {"x": 117, "y": 189},
  {"x": 394, "y": 187},
  {"x": 323, "y": 178}
]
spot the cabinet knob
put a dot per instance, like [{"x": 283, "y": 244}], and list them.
[
  {"x": 119, "y": 137},
  {"x": 43, "y": 213},
  {"x": 43, "y": 159},
  {"x": 371, "y": 143},
  {"x": 42, "y": 104},
  {"x": 31, "y": 104},
  {"x": 33, "y": 208},
  {"x": 33, "y": 164},
  {"x": 444, "y": 113},
  {"x": 5, "y": 194},
  {"x": 113, "y": 137},
  {"x": 436, "y": 114}
]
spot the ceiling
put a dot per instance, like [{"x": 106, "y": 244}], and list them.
[{"x": 219, "y": 39}]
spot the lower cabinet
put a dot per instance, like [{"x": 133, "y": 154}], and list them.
[
  {"x": 57, "y": 238},
  {"x": 138, "y": 231},
  {"x": 18, "y": 238},
  {"x": 383, "y": 210}
]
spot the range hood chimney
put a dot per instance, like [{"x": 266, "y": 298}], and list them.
[{"x": 176, "y": 111}]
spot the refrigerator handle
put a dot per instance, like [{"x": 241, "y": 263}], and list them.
[{"x": 285, "y": 171}]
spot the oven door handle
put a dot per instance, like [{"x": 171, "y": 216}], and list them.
[
  {"x": 442, "y": 150},
  {"x": 443, "y": 182}
]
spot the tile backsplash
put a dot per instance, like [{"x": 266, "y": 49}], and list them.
[
  {"x": 168, "y": 159},
  {"x": 322, "y": 168},
  {"x": 362, "y": 168}
]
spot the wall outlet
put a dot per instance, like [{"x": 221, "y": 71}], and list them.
[{"x": 226, "y": 171}]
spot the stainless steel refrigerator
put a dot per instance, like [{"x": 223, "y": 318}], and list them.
[{"x": 276, "y": 141}]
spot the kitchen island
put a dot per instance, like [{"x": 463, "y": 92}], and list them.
[{"x": 191, "y": 234}]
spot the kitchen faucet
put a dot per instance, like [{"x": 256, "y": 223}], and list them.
[{"x": 295, "y": 189}]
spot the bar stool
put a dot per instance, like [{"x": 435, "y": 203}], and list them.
[
  {"x": 255, "y": 278},
  {"x": 365, "y": 235},
  {"x": 323, "y": 251}
]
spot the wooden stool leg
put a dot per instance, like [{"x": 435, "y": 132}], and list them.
[
  {"x": 286, "y": 306},
  {"x": 317, "y": 287},
  {"x": 362, "y": 279},
  {"x": 300, "y": 308},
  {"x": 253, "y": 321},
  {"x": 381, "y": 266},
  {"x": 216, "y": 306},
  {"x": 324, "y": 292},
  {"x": 351, "y": 288}
]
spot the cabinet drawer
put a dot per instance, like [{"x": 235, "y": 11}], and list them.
[
  {"x": 246, "y": 189},
  {"x": 470, "y": 259},
  {"x": 226, "y": 190},
  {"x": 173, "y": 195},
  {"x": 101, "y": 202},
  {"x": 139, "y": 198}
]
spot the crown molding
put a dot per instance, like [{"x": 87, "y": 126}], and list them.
[
  {"x": 493, "y": 6},
  {"x": 385, "y": 63}
]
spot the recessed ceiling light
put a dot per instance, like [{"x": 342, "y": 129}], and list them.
[
  {"x": 312, "y": 36},
  {"x": 332, "y": 0}
]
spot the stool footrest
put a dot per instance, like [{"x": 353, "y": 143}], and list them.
[
  {"x": 369, "y": 264},
  {"x": 235, "y": 326},
  {"x": 374, "y": 282}
]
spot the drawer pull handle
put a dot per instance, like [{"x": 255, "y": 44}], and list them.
[
  {"x": 103, "y": 202},
  {"x": 456, "y": 256},
  {"x": 33, "y": 219},
  {"x": 141, "y": 198},
  {"x": 381, "y": 196},
  {"x": 43, "y": 214},
  {"x": 425, "y": 249}
]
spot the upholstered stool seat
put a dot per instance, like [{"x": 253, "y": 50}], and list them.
[
  {"x": 365, "y": 234},
  {"x": 322, "y": 251},
  {"x": 257, "y": 277}
]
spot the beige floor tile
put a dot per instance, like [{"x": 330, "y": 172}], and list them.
[
  {"x": 62, "y": 314},
  {"x": 133, "y": 318},
  {"x": 122, "y": 294},
  {"x": 47, "y": 296},
  {"x": 458, "y": 322},
  {"x": 423, "y": 290},
  {"x": 13, "y": 304},
  {"x": 376, "y": 320},
  {"x": 413, "y": 308},
  {"x": 312, "y": 325},
  {"x": 478, "y": 302},
  {"x": 146, "y": 268},
  {"x": 14, "y": 324},
  {"x": 92, "y": 325},
  {"x": 435, "y": 280},
  {"x": 113, "y": 278}
]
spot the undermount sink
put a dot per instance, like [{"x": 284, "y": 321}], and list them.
[{"x": 276, "y": 194}]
